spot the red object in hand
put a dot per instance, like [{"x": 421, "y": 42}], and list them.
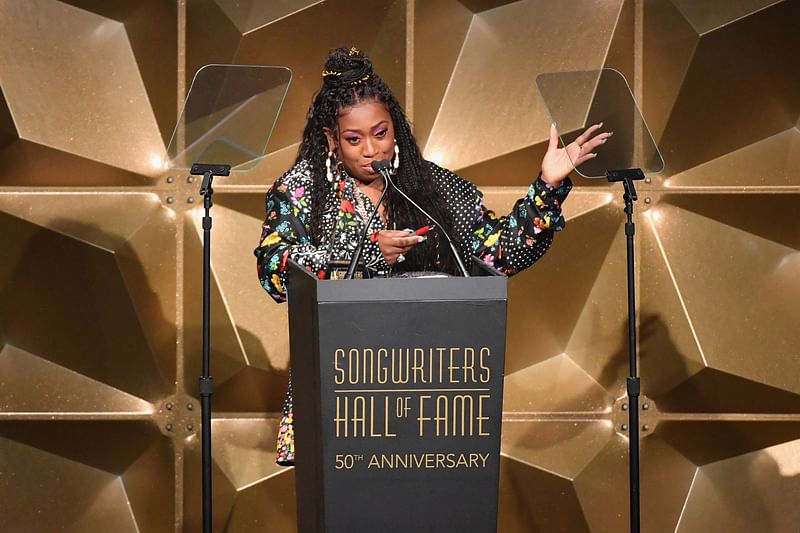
[{"x": 423, "y": 230}]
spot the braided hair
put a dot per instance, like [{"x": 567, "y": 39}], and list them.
[{"x": 348, "y": 80}]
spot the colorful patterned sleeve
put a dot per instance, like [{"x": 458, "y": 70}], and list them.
[
  {"x": 284, "y": 236},
  {"x": 516, "y": 241}
]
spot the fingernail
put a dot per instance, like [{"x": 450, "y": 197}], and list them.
[
  {"x": 553, "y": 124},
  {"x": 422, "y": 239},
  {"x": 601, "y": 124},
  {"x": 610, "y": 133}
]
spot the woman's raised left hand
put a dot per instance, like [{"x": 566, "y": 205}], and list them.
[{"x": 559, "y": 162}]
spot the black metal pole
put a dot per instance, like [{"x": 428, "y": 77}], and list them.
[
  {"x": 627, "y": 177},
  {"x": 206, "y": 381},
  {"x": 633, "y": 382}
]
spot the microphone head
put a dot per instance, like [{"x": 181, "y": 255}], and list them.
[{"x": 383, "y": 164}]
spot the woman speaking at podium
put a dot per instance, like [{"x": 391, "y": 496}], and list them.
[{"x": 316, "y": 212}]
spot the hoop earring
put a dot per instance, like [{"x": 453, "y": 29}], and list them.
[{"x": 396, "y": 158}]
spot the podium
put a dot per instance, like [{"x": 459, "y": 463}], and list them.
[{"x": 398, "y": 391}]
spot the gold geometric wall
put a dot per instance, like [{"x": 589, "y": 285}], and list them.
[{"x": 101, "y": 252}]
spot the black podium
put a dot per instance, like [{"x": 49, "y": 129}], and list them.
[{"x": 398, "y": 388}]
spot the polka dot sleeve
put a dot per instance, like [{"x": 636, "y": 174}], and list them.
[
  {"x": 509, "y": 243},
  {"x": 514, "y": 242}
]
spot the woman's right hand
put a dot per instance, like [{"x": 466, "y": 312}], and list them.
[{"x": 394, "y": 243}]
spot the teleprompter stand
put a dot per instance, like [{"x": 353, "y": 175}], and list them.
[
  {"x": 228, "y": 116},
  {"x": 206, "y": 381},
  {"x": 627, "y": 177},
  {"x": 576, "y": 100}
]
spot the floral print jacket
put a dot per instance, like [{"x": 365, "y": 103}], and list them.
[{"x": 509, "y": 244}]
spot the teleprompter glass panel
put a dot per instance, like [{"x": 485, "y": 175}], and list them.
[
  {"x": 228, "y": 116},
  {"x": 578, "y": 99}
]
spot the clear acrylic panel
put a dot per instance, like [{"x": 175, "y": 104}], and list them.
[
  {"x": 577, "y": 99},
  {"x": 228, "y": 116}
]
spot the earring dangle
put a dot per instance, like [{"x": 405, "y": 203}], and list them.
[
  {"x": 328, "y": 171},
  {"x": 396, "y": 158}
]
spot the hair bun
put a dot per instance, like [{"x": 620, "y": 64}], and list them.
[{"x": 346, "y": 67}]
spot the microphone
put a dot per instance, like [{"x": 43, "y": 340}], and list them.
[
  {"x": 351, "y": 268},
  {"x": 382, "y": 167}
]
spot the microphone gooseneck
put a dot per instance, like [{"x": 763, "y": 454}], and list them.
[
  {"x": 382, "y": 167},
  {"x": 351, "y": 268}
]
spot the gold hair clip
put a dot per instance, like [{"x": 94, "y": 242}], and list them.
[
  {"x": 326, "y": 73},
  {"x": 362, "y": 80},
  {"x": 353, "y": 51}
]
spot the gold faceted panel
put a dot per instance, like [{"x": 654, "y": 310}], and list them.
[
  {"x": 251, "y": 493},
  {"x": 80, "y": 91},
  {"x": 719, "y": 70},
  {"x": 251, "y": 14},
  {"x": 501, "y": 54},
  {"x": 87, "y": 288},
  {"x": 766, "y": 251},
  {"x": 770, "y": 162},
  {"x": 91, "y": 475},
  {"x": 100, "y": 278},
  {"x": 719, "y": 499}
]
